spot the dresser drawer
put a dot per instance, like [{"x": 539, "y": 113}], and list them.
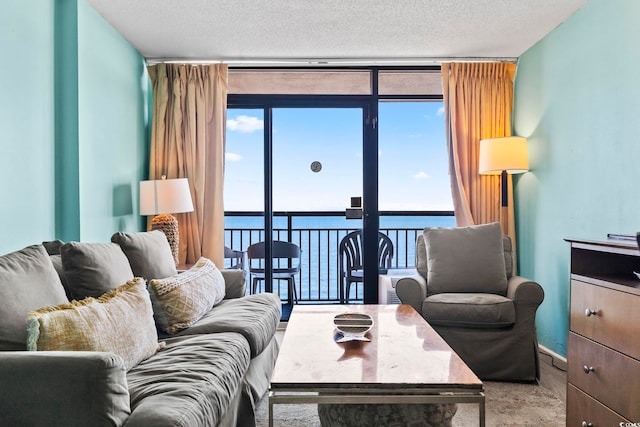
[
  {"x": 581, "y": 408},
  {"x": 613, "y": 380},
  {"x": 616, "y": 318}
]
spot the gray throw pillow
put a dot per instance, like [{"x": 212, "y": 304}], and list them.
[
  {"x": 149, "y": 254},
  {"x": 466, "y": 259},
  {"x": 53, "y": 246},
  {"x": 28, "y": 282},
  {"x": 93, "y": 269}
]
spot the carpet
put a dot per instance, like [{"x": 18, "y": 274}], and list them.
[{"x": 507, "y": 404}]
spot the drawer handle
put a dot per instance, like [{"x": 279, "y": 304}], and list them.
[
  {"x": 587, "y": 369},
  {"x": 588, "y": 312},
  {"x": 586, "y": 424}
]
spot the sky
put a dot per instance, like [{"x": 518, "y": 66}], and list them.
[{"x": 413, "y": 169}]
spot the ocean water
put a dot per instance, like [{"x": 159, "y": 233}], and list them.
[{"x": 319, "y": 238}]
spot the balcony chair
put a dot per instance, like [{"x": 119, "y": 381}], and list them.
[
  {"x": 283, "y": 252},
  {"x": 467, "y": 292},
  {"x": 351, "y": 263},
  {"x": 236, "y": 257}
]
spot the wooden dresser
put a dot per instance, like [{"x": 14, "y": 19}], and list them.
[{"x": 603, "y": 354}]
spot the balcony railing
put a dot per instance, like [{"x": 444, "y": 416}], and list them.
[{"x": 319, "y": 234}]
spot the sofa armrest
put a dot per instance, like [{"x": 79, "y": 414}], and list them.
[
  {"x": 235, "y": 283},
  {"x": 413, "y": 291},
  {"x": 63, "y": 388},
  {"x": 524, "y": 291}
]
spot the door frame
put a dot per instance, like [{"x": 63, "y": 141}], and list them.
[{"x": 369, "y": 104}]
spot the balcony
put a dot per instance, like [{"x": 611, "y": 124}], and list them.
[{"x": 318, "y": 234}]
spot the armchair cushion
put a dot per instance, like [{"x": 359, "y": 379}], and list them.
[
  {"x": 466, "y": 259},
  {"x": 483, "y": 311}
]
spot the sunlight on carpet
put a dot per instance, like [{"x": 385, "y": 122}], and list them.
[{"x": 507, "y": 404}]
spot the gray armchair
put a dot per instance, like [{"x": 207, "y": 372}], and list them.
[{"x": 467, "y": 292}]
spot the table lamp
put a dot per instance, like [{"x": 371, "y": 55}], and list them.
[
  {"x": 502, "y": 156},
  {"x": 163, "y": 197}
]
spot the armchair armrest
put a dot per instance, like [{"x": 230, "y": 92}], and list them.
[
  {"x": 235, "y": 283},
  {"x": 412, "y": 290},
  {"x": 524, "y": 291},
  {"x": 527, "y": 296},
  {"x": 63, "y": 388}
]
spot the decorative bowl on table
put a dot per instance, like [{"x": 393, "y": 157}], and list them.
[{"x": 352, "y": 326}]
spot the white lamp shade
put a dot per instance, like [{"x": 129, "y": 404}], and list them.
[
  {"x": 503, "y": 154},
  {"x": 165, "y": 196}
]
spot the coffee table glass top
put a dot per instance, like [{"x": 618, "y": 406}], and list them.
[{"x": 404, "y": 352}]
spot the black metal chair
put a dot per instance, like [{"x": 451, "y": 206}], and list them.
[
  {"x": 236, "y": 257},
  {"x": 283, "y": 252},
  {"x": 351, "y": 264}
]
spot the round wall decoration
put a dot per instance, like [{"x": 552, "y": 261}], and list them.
[{"x": 316, "y": 166}]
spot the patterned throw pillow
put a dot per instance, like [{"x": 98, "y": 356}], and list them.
[
  {"x": 119, "y": 322},
  {"x": 181, "y": 300}
]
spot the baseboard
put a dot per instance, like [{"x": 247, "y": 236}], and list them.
[
  {"x": 281, "y": 326},
  {"x": 554, "y": 359}
]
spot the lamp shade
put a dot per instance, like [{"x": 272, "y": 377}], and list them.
[
  {"x": 503, "y": 154},
  {"x": 165, "y": 196}
]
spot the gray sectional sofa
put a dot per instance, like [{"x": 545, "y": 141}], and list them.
[{"x": 210, "y": 373}]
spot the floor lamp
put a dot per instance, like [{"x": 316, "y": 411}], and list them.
[
  {"x": 502, "y": 156},
  {"x": 163, "y": 197}
]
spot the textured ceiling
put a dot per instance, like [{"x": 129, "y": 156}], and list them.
[{"x": 334, "y": 30}]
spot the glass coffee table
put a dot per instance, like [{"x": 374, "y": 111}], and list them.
[{"x": 405, "y": 362}]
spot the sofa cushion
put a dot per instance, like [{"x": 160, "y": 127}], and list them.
[
  {"x": 119, "y": 322},
  {"x": 189, "y": 383},
  {"x": 93, "y": 269},
  {"x": 256, "y": 317},
  {"x": 181, "y": 300},
  {"x": 465, "y": 259},
  {"x": 149, "y": 253},
  {"x": 28, "y": 281},
  {"x": 469, "y": 310}
]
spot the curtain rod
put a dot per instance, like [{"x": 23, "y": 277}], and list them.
[{"x": 271, "y": 62}]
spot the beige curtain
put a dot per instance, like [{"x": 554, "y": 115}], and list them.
[
  {"x": 187, "y": 141},
  {"x": 478, "y": 99}
]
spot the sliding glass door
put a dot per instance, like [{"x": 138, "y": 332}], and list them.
[
  {"x": 315, "y": 156},
  {"x": 316, "y": 171}
]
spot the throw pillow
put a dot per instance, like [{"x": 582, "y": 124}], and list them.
[
  {"x": 181, "y": 300},
  {"x": 28, "y": 281},
  {"x": 53, "y": 246},
  {"x": 466, "y": 259},
  {"x": 119, "y": 322},
  {"x": 149, "y": 253},
  {"x": 93, "y": 269}
]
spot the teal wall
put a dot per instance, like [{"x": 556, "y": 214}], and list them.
[
  {"x": 577, "y": 99},
  {"x": 74, "y": 117},
  {"x": 112, "y": 100},
  {"x": 26, "y": 123}
]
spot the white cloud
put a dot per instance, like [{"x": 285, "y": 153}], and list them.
[
  {"x": 245, "y": 124},
  {"x": 232, "y": 157},
  {"x": 440, "y": 111},
  {"x": 421, "y": 175}
]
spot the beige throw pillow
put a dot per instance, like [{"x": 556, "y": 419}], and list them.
[
  {"x": 182, "y": 299},
  {"x": 119, "y": 322}
]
